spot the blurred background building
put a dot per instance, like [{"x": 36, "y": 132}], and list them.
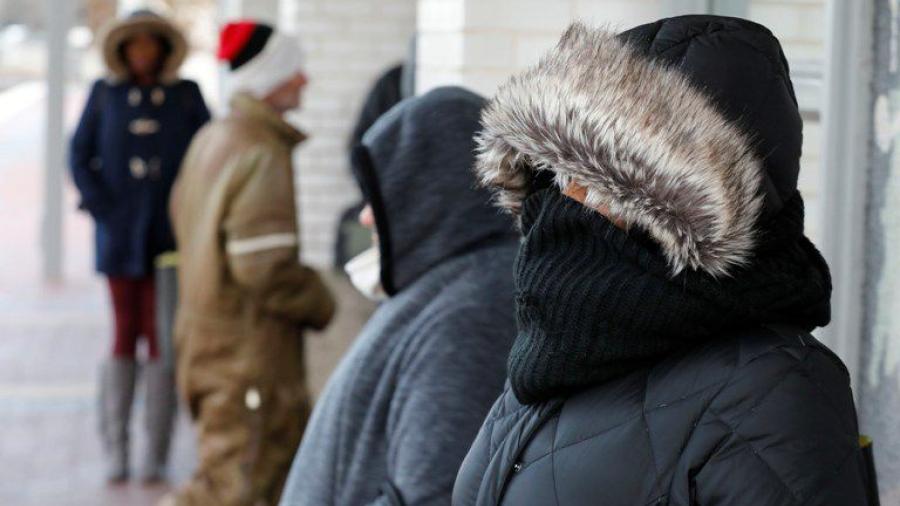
[{"x": 844, "y": 61}]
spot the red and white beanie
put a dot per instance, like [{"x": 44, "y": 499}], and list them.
[{"x": 260, "y": 59}]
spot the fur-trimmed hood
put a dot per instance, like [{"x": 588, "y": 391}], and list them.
[
  {"x": 119, "y": 31},
  {"x": 664, "y": 154}
]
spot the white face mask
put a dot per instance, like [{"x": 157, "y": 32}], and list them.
[{"x": 365, "y": 273}]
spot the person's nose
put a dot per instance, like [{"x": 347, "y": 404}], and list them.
[{"x": 367, "y": 217}]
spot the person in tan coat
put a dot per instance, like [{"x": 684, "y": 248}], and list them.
[{"x": 244, "y": 297}]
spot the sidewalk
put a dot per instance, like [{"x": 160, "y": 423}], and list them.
[
  {"x": 49, "y": 449},
  {"x": 53, "y": 338}
]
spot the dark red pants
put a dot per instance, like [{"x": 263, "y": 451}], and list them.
[{"x": 134, "y": 305}]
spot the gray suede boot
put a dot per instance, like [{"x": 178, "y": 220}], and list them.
[
  {"x": 117, "y": 378},
  {"x": 159, "y": 417}
]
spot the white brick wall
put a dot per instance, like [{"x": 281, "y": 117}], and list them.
[
  {"x": 479, "y": 43},
  {"x": 464, "y": 39},
  {"x": 800, "y": 24},
  {"x": 621, "y": 14},
  {"x": 348, "y": 43}
]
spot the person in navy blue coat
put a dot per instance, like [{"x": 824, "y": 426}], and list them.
[{"x": 124, "y": 157}]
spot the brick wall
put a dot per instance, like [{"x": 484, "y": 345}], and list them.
[
  {"x": 479, "y": 43},
  {"x": 348, "y": 43},
  {"x": 800, "y": 24}
]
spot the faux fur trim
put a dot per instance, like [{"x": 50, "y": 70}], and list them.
[
  {"x": 121, "y": 30},
  {"x": 639, "y": 136}
]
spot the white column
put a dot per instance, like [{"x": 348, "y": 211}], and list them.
[
  {"x": 680, "y": 7},
  {"x": 440, "y": 28},
  {"x": 289, "y": 14},
  {"x": 736, "y": 8},
  {"x": 260, "y": 10},
  {"x": 59, "y": 18},
  {"x": 846, "y": 114},
  {"x": 229, "y": 9},
  {"x": 268, "y": 11}
]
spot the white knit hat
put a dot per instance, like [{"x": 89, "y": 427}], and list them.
[{"x": 260, "y": 58}]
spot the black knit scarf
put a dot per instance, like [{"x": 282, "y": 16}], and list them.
[{"x": 595, "y": 302}]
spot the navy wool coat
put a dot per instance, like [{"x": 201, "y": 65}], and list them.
[{"x": 124, "y": 157}]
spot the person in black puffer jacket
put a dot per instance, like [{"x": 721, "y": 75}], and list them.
[{"x": 665, "y": 289}]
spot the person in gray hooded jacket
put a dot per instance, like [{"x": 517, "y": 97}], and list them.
[{"x": 405, "y": 403}]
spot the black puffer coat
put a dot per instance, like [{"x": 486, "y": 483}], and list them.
[
  {"x": 670, "y": 364},
  {"x": 759, "y": 419}
]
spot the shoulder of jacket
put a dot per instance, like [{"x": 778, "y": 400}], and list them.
[
  {"x": 727, "y": 358},
  {"x": 765, "y": 347},
  {"x": 462, "y": 279},
  {"x": 243, "y": 147},
  {"x": 743, "y": 365},
  {"x": 787, "y": 403},
  {"x": 507, "y": 406},
  {"x": 471, "y": 318},
  {"x": 781, "y": 366},
  {"x": 240, "y": 136}
]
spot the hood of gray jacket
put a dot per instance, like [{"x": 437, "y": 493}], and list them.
[{"x": 414, "y": 167}]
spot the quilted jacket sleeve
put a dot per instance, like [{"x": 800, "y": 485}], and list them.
[
  {"x": 262, "y": 245},
  {"x": 769, "y": 449}
]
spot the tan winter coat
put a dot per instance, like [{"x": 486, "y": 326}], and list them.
[{"x": 244, "y": 302}]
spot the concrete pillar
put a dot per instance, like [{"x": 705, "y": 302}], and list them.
[
  {"x": 679, "y": 7},
  {"x": 846, "y": 119},
  {"x": 59, "y": 19},
  {"x": 262, "y": 10},
  {"x": 737, "y": 8},
  {"x": 879, "y": 388}
]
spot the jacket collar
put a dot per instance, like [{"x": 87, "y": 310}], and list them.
[{"x": 247, "y": 106}]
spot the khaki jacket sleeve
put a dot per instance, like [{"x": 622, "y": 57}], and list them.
[{"x": 262, "y": 244}]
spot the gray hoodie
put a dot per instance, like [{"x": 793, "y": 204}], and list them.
[{"x": 401, "y": 410}]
